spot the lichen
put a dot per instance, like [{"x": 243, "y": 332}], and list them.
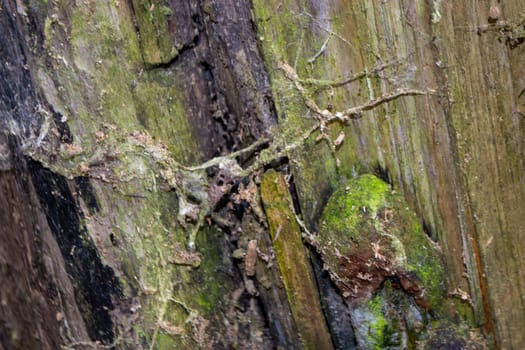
[
  {"x": 133, "y": 131},
  {"x": 144, "y": 247}
]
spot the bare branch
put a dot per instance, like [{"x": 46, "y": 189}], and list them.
[
  {"x": 328, "y": 30},
  {"x": 320, "y": 83},
  {"x": 326, "y": 116},
  {"x": 355, "y": 112},
  {"x": 219, "y": 160},
  {"x": 321, "y": 50}
]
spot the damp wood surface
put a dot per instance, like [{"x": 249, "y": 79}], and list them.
[
  {"x": 119, "y": 119},
  {"x": 456, "y": 157},
  {"x": 294, "y": 263}
]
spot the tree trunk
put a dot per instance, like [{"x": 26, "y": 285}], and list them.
[{"x": 165, "y": 168}]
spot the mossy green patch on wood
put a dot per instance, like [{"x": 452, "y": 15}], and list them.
[
  {"x": 390, "y": 273},
  {"x": 99, "y": 78},
  {"x": 293, "y": 262},
  {"x": 366, "y": 193},
  {"x": 213, "y": 285},
  {"x": 160, "y": 110},
  {"x": 139, "y": 233},
  {"x": 369, "y": 226},
  {"x": 379, "y": 326},
  {"x": 155, "y": 39}
]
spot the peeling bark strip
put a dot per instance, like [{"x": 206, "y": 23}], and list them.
[
  {"x": 293, "y": 263},
  {"x": 251, "y": 258}
]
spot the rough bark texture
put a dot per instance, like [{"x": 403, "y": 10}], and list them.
[
  {"x": 104, "y": 260},
  {"x": 294, "y": 263},
  {"x": 457, "y": 156},
  {"x": 110, "y": 110}
]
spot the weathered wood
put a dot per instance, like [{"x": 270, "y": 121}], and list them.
[
  {"x": 294, "y": 263},
  {"x": 77, "y": 80},
  {"x": 111, "y": 103},
  {"x": 456, "y": 156}
]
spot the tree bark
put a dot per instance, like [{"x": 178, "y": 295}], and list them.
[{"x": 135, "y": 136}]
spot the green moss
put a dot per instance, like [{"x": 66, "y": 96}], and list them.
[
  {"x": 366, "y": 193},
  {"x": 364, "y": 214},
  {"x": 166, "y": 11},
  {"x": 165, "y": 341},
  {"x": 366, "y": 211},
  {"x": 214, "y": 286},
  {"x": 155, "y": 38},
  {"x": 378, "y": 331},
  {"x": 48, "y": 27},
  {"x": 424, "y": 260}
]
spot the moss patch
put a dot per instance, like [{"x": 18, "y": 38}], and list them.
[
  {"x": 388, "y": 270},
  {"x": 368, "y": 234}
]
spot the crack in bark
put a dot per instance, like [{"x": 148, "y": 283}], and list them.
[{"x": 183, "y": 50}]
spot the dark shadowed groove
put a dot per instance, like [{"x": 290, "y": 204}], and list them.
[
  {"x": 85, "y": 190},
  {"x": 95, "y": 284},
  {"x": 334, "y": 307},
  {"x": 186, "y": 48},
  {"x": 240, "y": 78}
]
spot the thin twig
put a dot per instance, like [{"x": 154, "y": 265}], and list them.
[
  {"x": 220, "y": 160},
  {"x": 501, "y": 26},
  {"x": 352, "y": 112},
  {"x": 355, "y": 112},
  {"x": 328, "y": 30},
  {"x": 307, "y": 235},
  {"x": 321, "y": 50},
  {"x": 320, "y": 83}
]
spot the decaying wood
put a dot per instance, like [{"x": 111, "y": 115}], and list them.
[
  {"x": 293, "y": 261},
  {"x": 133, "y": 138}
]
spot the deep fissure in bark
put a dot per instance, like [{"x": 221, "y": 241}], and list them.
[{"x": 96, "y": 286}]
